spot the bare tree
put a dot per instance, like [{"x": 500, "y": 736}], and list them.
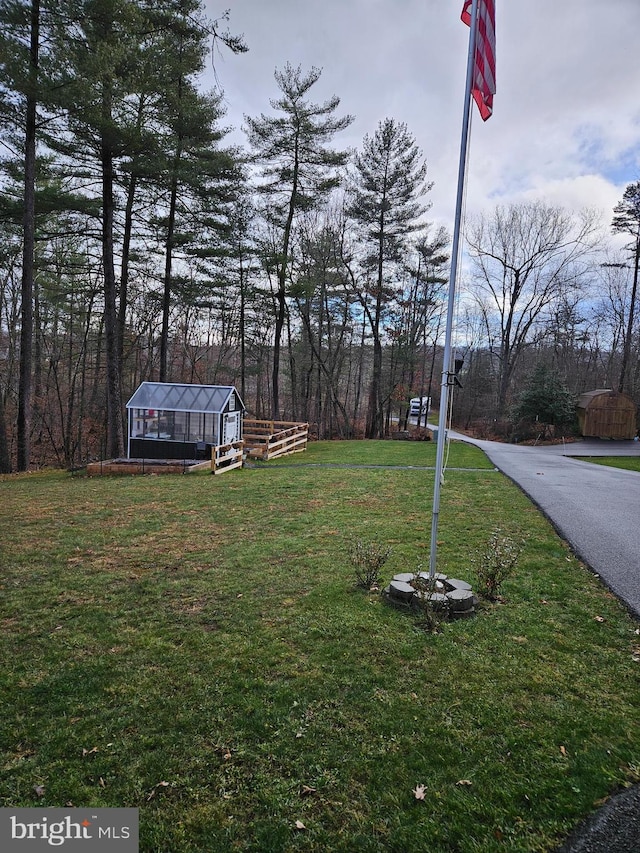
[
  {"x": 524, "y": 258},
  {"x": 324, "y": 309},
  {"x": 612, "y": 313}
]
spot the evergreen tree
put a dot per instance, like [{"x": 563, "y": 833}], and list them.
[
  {"x": 19, "y": 68},
  {"x": 386, "y": 202},
  {"x": 97, "y": 43},
  {"x": 545, "y": 401},
  {"x": 626, "y": 220},
  {"x": 131, "y": 107},
  {"x": 195, "y": 174},
  {"x": 298, "y": 171}
]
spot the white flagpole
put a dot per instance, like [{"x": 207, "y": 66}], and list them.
[{"x": 455, "y": 250}]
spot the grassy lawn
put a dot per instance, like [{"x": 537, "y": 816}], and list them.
[
  {"x": 195, "y": 647},
  {"x": 630, "y": 463},
  {"x": 373, "y": 453}
]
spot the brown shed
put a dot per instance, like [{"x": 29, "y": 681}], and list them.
[{"x": 607, "y": 414}]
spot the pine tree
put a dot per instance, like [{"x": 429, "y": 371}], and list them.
[
  {"x": 298, "y": 171},
  {"x": 96, "y": 43},
  {"x": 23, "y": 20},
  {"x": 626, "y": 220},
  {"x": 386, "y": 202},
  {"x": 131, "y": 108},
  {"x": 545, "y": 401}
]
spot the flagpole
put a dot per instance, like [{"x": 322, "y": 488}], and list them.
[{"x": 455, "y": 251}]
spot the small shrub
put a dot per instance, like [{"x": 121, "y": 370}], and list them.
[
  {"x": 432, "y": 611},
  {"x": 368, "y": 560},
  {"x": 497, "y": 563}
]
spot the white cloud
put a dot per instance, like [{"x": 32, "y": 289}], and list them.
[{"x": 566, "y": 123}]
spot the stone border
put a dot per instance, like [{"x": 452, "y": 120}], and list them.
[{"x": 409, "y": 590}]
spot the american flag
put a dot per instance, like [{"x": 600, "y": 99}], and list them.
[{"x": 483, "y": 85}]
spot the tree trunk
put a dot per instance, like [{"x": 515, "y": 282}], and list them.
[
  {"x": 126, "y": 240},
  {"x": 281, "y": 304},
  {"x": 277, "y": 344},
  {"x": 626, "y": 353},
  {"x": 5, "y": 460},
  {"x": 124, "y": 268},
  {"x": 241, "y": 332},
  {"x": 375, "y": 414},
  {"x": 166, "y": 295},
  {"x": 29, "y": 221},
  {"x": 115, "y": 431},
  {"x": 359, "y": 374}
]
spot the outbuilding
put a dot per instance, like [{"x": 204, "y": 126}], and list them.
[
  {"x": 168, "y": 420},
  {"x": 607, "y": 414}
]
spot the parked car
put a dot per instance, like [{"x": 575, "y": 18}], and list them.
[{"x": 419, "y": 406}]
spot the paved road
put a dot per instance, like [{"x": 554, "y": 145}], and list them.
[{"x": 594, "y": 508}]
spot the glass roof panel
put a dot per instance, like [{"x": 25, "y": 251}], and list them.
[{"x": 181, "y": 397}]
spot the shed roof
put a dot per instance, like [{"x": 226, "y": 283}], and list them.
[
  {"x": 589, "y": 396},
  {"x": 177, "y": 397}
]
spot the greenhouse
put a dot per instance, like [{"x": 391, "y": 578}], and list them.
[{"x": 168, "y": 420}]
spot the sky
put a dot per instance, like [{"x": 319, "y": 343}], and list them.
[{"x": 566, "y": 122}]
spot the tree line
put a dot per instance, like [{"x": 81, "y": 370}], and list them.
[{"x": 138, "y": 244}]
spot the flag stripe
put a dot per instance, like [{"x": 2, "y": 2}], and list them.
[{"x": 483, "y": 85}]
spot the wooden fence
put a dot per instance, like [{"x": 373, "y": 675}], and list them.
[
  {"x": 269, "y": 439},
  {"x": 226, "y": 457}
]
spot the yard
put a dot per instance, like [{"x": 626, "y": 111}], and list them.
[{"x": 195, "y": 646}]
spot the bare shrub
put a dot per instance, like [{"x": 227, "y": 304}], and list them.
[
  {"x": 496, "y": 563},
  {"x": 368, "y": 560}
]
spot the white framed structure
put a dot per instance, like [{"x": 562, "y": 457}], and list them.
[{"x": 170, "y": 420}]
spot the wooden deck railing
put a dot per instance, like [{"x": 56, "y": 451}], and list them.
[{"x": 269, "y": 439}]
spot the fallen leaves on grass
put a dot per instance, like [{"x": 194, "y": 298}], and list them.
[
  {"x": 419, "y": 792},
  {"x": 464, "y": 783},
  {"x": 38, "y": 790},
  {"x": 300, "y": 825},
  {"x": 307, "y": 790},
  {"x": 155, "y": 790}
]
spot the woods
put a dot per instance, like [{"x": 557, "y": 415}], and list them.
[{"x": 138, "y": 244}]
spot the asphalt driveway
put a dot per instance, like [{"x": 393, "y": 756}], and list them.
[{"x": 596, "y": 509}]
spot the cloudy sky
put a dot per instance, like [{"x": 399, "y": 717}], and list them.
[{"x": 566, "y": 122}]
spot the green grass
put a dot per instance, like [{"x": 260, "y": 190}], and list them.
[
  {"x": 629, "y": 463},
  {"x": 206, "y": 633},
  {"x": 400, "y": 453}
]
